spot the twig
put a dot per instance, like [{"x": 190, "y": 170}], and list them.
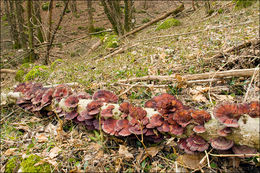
[
  {"x": 7, "y": 116},
  {"x": 128, "y": 89},
  {"x": 118, "y": 51},
  {"x": 7, "y": 71},
  {"x": 233, "y": 155},
  {"x": 249, "y": 86}
]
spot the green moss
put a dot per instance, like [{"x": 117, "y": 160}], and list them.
[
  {"x": 12, "y": 164},
  {"x": 168, "y": 23},
  {"x": 37, "y": 71},
  {"x": 111, "y": 41},
  {"x": 19, "y": 75},
  {"x": 28, "y": 165}
]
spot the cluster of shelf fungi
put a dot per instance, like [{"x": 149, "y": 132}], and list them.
[{"x": 162, "y": 116}]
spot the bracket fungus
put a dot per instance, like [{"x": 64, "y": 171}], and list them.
[{"x": 162, "y": 117}]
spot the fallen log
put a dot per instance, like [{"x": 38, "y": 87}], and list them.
[
  {"x": 209, "y": 75},
  {"x": 174, "y": 12},
  {"x": 163, "y": 116}
]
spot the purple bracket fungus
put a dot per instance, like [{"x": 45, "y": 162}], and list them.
[
  {"x": 225, "y": 131},
  {"x": 221, "y": 143},
  {"x": 199, "y": 129},
  {"x": 105, "y": 96},
  {"x": 107, "y": 112},
  {"x": 71, "y": 101}
]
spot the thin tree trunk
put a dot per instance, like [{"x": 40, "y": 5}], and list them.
[
  {"x": 52, "y": 36},
  {"x": 37, "y": 20},
  {"x": 73, "y": 6},
  {"x": 112, "y": 10},
  {"x": 9, "y": 8},
  {"x": 129, "y": 4},
  {"x": 30, "y": 31},
  {"x": 20, "y": 19},
  {"x": 49, "y": 33},
  {"x": 90, "y": 17}
]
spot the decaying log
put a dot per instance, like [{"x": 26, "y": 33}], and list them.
[
  {"x": 246, "y": 134},
  {"x": 210, "y": 75},
  {"x": 174, "y": 12}
]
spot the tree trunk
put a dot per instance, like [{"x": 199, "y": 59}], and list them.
[
  {"x": 10, "y": 13},
  {"x": 90, "y": 17},
  {"x": 129, "y": 7},
  {"x": 46, "y": 61},
  {"x": 73, "y": 6},
  {"x": 21, "y": 23},
  {"x": 37, "y": 20},
  {"x": 207, "y": 7},
  {"x": 114, "y": 15},
  {"x": 30, "y": 31}
]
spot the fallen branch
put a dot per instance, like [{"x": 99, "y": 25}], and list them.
[
  {"x": 221, "y": 74},
  {"x": 236, "y": 48},
  {"x": 7, "y": 71},
  {"x": 94, "y": 47},
  {"x": 174, "y": 12},
  {"x": 121, "y": 50}
]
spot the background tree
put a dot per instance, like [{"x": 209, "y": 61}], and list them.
[
  {"x": 31, "y": 56},
  {"x": 11, "y": 18},
  {"x": 20, "y": 20},
  {"x": 90, "y": 16},
  {"x": 37, "y": 20},
  {"x": 115, "y": 16}
]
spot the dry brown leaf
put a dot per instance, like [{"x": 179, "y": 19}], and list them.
[
  {"x": 191, "y": 161},
  {"x": 123, "y": 150},
  {"x": 54, "y": 152},
  {"x": 34, "y": 119},
  {"x": 152, "y": 151},
  {"x": 223, "y": 97},
  {"x": 41, "y": 138},
  {"x": 10, "y": 151},
  {"x": 140, "y": 155},
  {"x": 199, "y": 98}
]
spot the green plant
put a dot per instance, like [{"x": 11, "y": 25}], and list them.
[
  {"x": 221, "y": 10},
  {"x": 28, "y": 165},
  {"x": 12, "y": 164},
  {"x": 45, "y": 6},
  {"x": 168, "y": 23},
  {"x": 145, "y": 20},
  {"x": 111, "y": 41},
  {"x": 243, "y": 3},
  {"x": 19, "y": 75}
]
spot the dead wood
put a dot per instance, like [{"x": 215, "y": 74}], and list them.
[
  {"x": 174, "y": 12},
  {"x": 209, "y": 75},
  {"x": 7, "y": 71},
  {"x": 121, "y": 50},
  {"x": 94, "y": 46},
  {"x": 236, "y": 48}
]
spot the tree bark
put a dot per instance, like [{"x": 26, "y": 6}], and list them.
[
  {"x": 90, "y": 17},
  {"x": 114, "y": 15},
  {"x": 73, "y": 6},
  {"x": 129, "y": 7},
  {"x": 11, "y": 17},
  {"x": 37, "y": 20},
  {"x": 30, "y": 31},
  {"x": 21, "y": 23}
]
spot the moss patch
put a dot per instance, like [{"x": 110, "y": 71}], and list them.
[
  {"x": 28, "y": 165},
  {"x": 12, "y": 165},
  {"x": 168, "y": 23}
]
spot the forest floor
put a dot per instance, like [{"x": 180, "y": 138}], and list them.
[{"x": 184, "y": 49}]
